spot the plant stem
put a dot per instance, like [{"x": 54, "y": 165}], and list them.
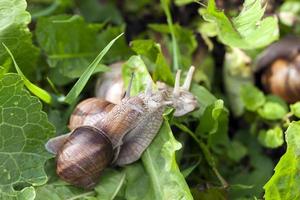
[
  {"x": 165, "y": 5},
  {"x": 207, "y": 154}
]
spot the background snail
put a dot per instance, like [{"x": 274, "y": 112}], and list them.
[
  {"x": 106, "y": 133},
  {"x": 278, "y": 69},
  {"x": 110, "y": 85}
]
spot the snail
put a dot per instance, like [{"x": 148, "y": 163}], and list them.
[
  {"x": 110, "y": 85},
  {"x": 103, "y": 133},
  {"x": 278, "y": 69}
]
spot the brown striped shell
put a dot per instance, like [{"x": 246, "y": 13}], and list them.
[
  {"x": 278, "y": 69},
  {"x": 89, "y": 110},
  {"x": 96, "y": 139},
  {"x": 84, "y": 155}
]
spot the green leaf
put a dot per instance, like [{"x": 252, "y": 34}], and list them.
[
  {"x": 147, "y": 48},
  {"x": 252, "y": 97},
  {"x": 214, "y": 126},
  {"x": 36, "y": 90},
  {"x": 160, "y": 164},
  {"x": 95, "y": 11},
  {"x": 162, "y": 70},
  {"x": 110, "y": 184},
  {"x": 204, "y": 97},
  {"x": 69, "y": 52},
  {"x": 2, "y": 71},
  {"x": 186, "y": 40},
  {"x": 27, "y": 193},
  {"x": 79, "y": 85},
  {"x": 236, "y": 151},
  {"x": 152, "y": 51},
  {"x": 136, "y": 177},
  {"x": 255, "y": 172},
  {"x": 278, "y": 100},
  {"x": 285, "y": 182},
  {"x": 289, "y": 12},
  {"x": 295, "y": 109},
  {"x": 248, "y": 30},
  {"x": 183, "y": 2},
  {"x": 209, "y": 120},
  {"x": 271, "y": 138},
  {"x": 24, "y": 130},
  {"x": 136, "y": 65},
  {"x": 210, "y": 194},
  {"x": 60, "y": 191},
  {"x": 15, "y": 34},
  {"x": 68, "y": 55},
  {"x": 272, "y": 111},
  {"x": 208, "y": 30}
]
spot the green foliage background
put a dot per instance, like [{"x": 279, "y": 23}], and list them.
[{"x": 52, "y": 52}]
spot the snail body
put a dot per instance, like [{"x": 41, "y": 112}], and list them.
[{"x": 123, "y": 130}]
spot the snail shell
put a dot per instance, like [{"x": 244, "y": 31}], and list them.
[
  {"x": 110, "y": 85},
  {"x": 114, "y": 120},
  {"x": 86, "y": 152},
  {"x": 278, "y": 69},
  {"x": 88, "y": 111}
]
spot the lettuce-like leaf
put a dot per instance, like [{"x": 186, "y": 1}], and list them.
[
  {"x": 152, "y": 51},
  {"x": 284, "y": 184},
  {"x": 15, "y": 34},
  {"x": 24, "y": 129},
  {"x": 160, "y": 164},
  {"x": 249, "y": 30},
  {"x": 271, "y": 138},
  {"x": 295, "y": 109},
  {"x": 136, "y": 66},
  {"x": 252, "y": 97}
]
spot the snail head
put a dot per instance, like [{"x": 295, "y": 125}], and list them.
[{"x": 178, "y": 97}]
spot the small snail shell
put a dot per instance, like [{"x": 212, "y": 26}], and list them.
[
  {"x": 110, "y": 85},
  {"x": 89, "y": 110},
  {"x": 82, "y": 166},
  {"x": 278, "y": 69}
]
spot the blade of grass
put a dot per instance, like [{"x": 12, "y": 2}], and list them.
[
  {"x": 165, "y": 5},
  {"x": 37, "y": 91},
  {"x": 52, "y": 85},
  {"x": 79, "y": 85}
]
